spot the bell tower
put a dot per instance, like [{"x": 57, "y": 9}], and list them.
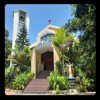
[{"x": 20, "y": 18}]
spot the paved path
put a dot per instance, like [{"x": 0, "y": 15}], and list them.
[{"x": 12, "y": 93}]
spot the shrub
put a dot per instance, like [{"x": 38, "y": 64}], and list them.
[
  {"x": 55, "y": 79},
  {"x": 78, "y": 80},
  {"x": 24, "y": 68},
  {"x": 85, "y": 84},
  {"x": 22, "y": 80},
  {"x": 57, "y": 89},
  {"x": 30, "y": 76},
  {"x": 52, "y": 78},
  {"x": 9, "y": 74},
  {"x": 59, "y": 67}
]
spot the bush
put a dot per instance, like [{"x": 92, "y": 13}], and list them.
[
  {"x": 57, "y": 82},
  {"x": 22, "y": 80},
  {"x": 59, "y": 67},
  {"x": 85, "y": 84},
  {"x": 9, "y": 74},
  {"x": 25, "y": 68},
  {"x": 57, "y": 89},
  {"x": 29, "y": 76}
]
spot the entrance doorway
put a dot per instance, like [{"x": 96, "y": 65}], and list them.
[{"x": 47, "y": 59}]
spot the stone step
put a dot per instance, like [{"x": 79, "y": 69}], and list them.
[
  {"x": 72, "y": 84},
  {"x": 43, "y": 75},
  {"x": 72, "y": 80},
  {"x": 33, "y": 82},
  {"x": 72, "y": 87},
  {"x": 38, "y": 85}
]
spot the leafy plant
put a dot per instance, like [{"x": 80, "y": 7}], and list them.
[
  {"x": 20, "y": 58},
  {"x": 84, "y": 22},
  {"x": 29, "y": 76},
  {"x": 25, "y": 68},
  {"x": 55, "y": 79},
  {"x": 8, "y": 44},
  {"x": 59, "y": 67},
  {"x": 9, "y": 74},
  {"x": 84, "y": 83},
  {"x": 57, "y": 89},
  {"x": 22, "y": 80}
]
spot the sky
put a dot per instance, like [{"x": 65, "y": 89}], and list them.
[{"x": 39, "y": 16}]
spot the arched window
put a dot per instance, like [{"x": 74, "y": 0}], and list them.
[{"x": 46, "y": 37}]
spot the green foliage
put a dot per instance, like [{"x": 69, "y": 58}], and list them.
[
  {"x": 85, "y": 84},
  {"x": 25, "y": 68},
  {"x": 6, "y": 34},
  {"x": 83, "y": 10},
  {"x": 59, "y": 37},
  {"x": 57, "y": 89},
  {"x": 59, "y": 67},
  {"x": 84, "y": 53},
  {"x": 22, "y": 80},
  {"x": 52, "y": 78},
  {"x": 29, "y": 76},
  {"x": 21, "y": 58},
  {"x": 9, "y": 74},
  {"x": 8, "y": 44},
  {"x": 63, "y": 39},
  {"x": 80, "y": 72},
  {"x": 22, "y": 40},
  {"x": 73, "y": 9},
  {"x": 55, "y": 79},
  {"x": 78, "y": 80}
]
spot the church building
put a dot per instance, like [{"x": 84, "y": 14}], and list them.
[{"x": 44, "y": 53}]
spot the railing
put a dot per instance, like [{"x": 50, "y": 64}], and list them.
[{"x": 44, "y": 42}]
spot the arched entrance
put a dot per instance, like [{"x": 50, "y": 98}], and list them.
[
  {"x": 44, "y": 57},
  {"x": 47, "y": 60}
]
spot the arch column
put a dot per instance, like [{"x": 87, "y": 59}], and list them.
[
  {"x": 56, "y": 55},
  {"x": 33, "y": 62}
]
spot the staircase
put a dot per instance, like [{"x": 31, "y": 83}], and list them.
[
  {"x": 38, "y": 85},
  {"x": 43, "y": 74},
  {"x": 72, "y": 83}
]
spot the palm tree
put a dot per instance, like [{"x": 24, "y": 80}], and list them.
[
  {"x": 62, "y": 39},
  {"x": 20, "y": 58}
]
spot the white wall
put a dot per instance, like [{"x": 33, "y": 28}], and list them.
[
  {"x": 27, "y": 22},
  {"x": 15, "y": 27}
]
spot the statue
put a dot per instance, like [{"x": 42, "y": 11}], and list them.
[{"x": 71, "y": 71}]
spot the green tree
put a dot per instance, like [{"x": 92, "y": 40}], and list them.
[
  {"x": 62, "y": 39},
  {"x": 85, "y": 23},
  {"x": 20, "y": 58},
  {"x": 59, "y": 37},
  {"x": 8, "y": 44},
  {"x": 22, "y": 40}
]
